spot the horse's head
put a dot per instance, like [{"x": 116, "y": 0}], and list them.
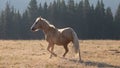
[{"x": 38, "y": 24}]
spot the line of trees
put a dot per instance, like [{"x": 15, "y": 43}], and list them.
[{"x": 90, "y": 22}]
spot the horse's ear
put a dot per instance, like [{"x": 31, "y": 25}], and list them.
[{"x": 40, "y": 18}]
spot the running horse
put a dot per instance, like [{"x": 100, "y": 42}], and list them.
[{"x": 57, "y": 36}]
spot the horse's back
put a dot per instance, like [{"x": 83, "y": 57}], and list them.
[
  {"x": 67, "y": 33},
  {"x": 60, "y": 36}
]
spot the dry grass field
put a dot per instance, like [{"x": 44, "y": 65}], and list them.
[{"x": 33, "y": 54}]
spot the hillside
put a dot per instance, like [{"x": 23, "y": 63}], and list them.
[{"x": 33, "y": 54}]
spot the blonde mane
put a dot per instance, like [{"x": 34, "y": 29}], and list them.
[{"x": 48, "y": 23}]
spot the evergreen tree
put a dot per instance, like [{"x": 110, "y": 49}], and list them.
[
  {"x": 117, "y": 22},
  {"x": 2, "y": 25},
  {"x": 71, "y": 5},
  {"x": 109, "y": 25},
  {"x": 8, "y": 14},
  {"x": 54, "y": 12},
  {"x": 45, "y": 10},
  {"x": 71, "y": 8},
  {"x": 70, "y": 13},
  {"x": 79, "y": 19},
  {"x": 16, "y": 25},
  {"x": 62, "y": 13},
  {"x": 32, "y": 15},
  {"x": 32, "y": 10},
  {"x": 99, "y": 19},
  {"x": 86, "y": 9},
  {"x": 24, "y": 25},
  {"x": 86, "y": 17},
  {"x": 117, "y": 15},
  {"x": 40, "y": 10}
]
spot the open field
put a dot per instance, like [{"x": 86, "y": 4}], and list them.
[{"x": 33, "y": 54}]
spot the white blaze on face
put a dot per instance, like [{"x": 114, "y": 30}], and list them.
[
  {"x": 35, "y": 24},
  {"x": 37, "y": 19}
]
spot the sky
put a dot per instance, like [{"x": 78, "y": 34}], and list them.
[
  {"x": 22, "y": 4},
  {"x": 19, "y": 4}
]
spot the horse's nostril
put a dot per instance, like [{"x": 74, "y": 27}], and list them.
[{"x": 33, "y": 29}]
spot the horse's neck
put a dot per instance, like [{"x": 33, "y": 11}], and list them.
[{"x": 45, "y": 27}]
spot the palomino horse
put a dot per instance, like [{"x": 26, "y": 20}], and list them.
[{"x": 57, "y": 36}]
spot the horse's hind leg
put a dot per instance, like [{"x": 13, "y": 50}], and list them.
[{"x": 66, "y": 50}]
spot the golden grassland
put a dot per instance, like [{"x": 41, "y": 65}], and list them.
[{"x": 33, "y": 54}]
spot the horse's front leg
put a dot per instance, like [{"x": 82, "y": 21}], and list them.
[{"x": 51, "y": 50}]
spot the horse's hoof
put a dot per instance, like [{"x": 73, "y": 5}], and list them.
[
  {"x": 50, "y": 57},
  {"x": 81, "y": 61},
  {"x": 63, "y": 56},
  {"x": 55, "y": 55}
]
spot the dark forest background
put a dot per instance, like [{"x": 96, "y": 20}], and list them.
[{"x": 89, "y": 22}]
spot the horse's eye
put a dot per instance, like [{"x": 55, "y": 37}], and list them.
[{"x": 36, "y": 23}]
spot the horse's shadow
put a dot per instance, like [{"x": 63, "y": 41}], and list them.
[{"x": 93, "y": 63}]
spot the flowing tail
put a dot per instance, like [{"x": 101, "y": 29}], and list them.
[{"x": 76, "y": 43}]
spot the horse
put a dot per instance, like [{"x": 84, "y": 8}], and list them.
[{"x": 57, "y": 36}]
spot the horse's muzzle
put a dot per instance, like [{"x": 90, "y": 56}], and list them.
[{"x": 33, "y": 29}]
